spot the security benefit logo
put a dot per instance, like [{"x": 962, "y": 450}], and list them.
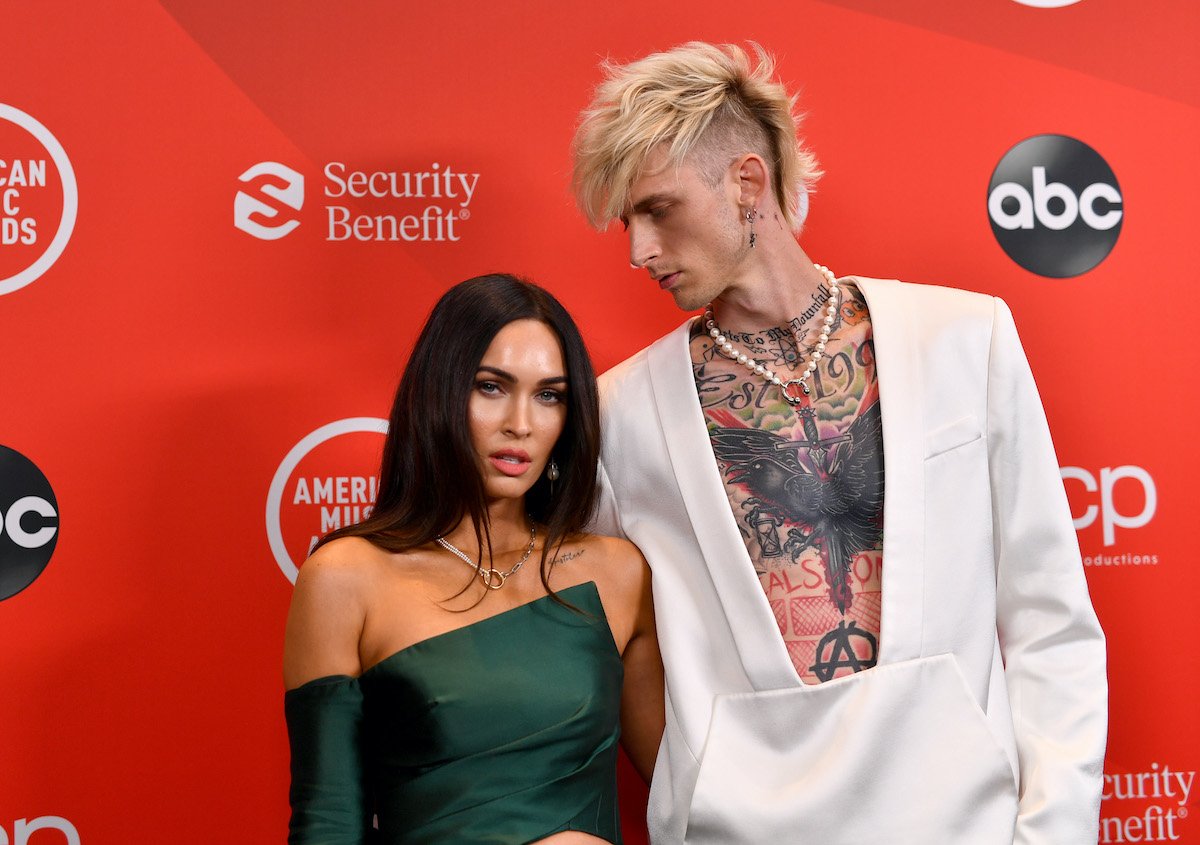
[
  {"x": 38, "y": 199},
  {"x": 1124, "y": 498},
  {"x": 426, "y": 205},
  {"x": 267, "y": 206},
  {"x": 1146, "y": 806},
  {"x": 28, "y": 522},
  {"x": 326, "y": 481},
  {"x": 1055, "y": 206}
]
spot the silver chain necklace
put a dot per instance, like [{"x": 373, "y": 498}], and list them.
[
  {"x": 491, "y": 577},
  {"x": 794, "y": 390}
]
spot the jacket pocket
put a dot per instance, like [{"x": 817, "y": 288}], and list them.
[
  {"x": 952, "y": 435},
  {"x": 898, "y": 754}
]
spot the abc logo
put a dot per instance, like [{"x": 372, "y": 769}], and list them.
[
  {"x": 266, "y": 208},
  {"x": 1110, "y": 517},
  {"x": 1055, "y": 206},
  {"x": 28, "y": 522}
]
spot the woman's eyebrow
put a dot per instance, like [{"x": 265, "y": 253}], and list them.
[{"x": 507, "y": 376}]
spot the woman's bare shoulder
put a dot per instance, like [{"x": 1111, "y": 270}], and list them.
[
  {"x": 610, "y": 559},
  {"x": 336, "y": 591},
  {"x": 345, "y": 578},
  {"x": 344, "y": 564}
]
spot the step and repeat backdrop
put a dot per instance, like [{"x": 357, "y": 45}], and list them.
[{"x": 221, "y": 225}]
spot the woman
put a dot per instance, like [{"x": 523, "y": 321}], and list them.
[{"x": 435, "y": 681}]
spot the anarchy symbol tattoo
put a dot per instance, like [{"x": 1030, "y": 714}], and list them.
[{"x": 836, "y": 651}]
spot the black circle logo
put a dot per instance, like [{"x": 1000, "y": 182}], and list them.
[
  {"x": 1055, "y": 206},
  {"x": 28, "y": 522}
]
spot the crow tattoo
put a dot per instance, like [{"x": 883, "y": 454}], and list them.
[{"x": 835, "y": 496}]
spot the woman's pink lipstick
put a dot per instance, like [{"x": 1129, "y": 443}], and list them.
[{"x": 511, "y": 462}]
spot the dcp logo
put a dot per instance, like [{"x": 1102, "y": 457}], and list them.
[
  {"x": 1055, "y": 206},
  {"x": 1110, "y": 517},
  {"x": 38, "y": 199},
  {"x": 23, "y": 830},
  {"x": 28, "y": 522},
  {"x": 267, "y": 207},
  {"x": 327, "y": 481}
]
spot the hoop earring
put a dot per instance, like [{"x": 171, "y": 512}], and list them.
[{"x": 751, "y": 215}]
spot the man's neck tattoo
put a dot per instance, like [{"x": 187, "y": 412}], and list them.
[
  {"x": 776, "y": 345},
  {"x": 772, "y": 335}
]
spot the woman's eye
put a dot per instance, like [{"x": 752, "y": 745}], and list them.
[
  {"x": 488, "y": 387},
  {"x": 551, "y": 396}
]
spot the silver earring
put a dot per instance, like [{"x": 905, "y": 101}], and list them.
[
  {"x": 750, "y": 215},
  {"x": 552, "y": 470}
]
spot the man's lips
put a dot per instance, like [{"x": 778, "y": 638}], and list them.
[
  {"x": 510, "y": 461},
  {"x": 664, "y": 282}
]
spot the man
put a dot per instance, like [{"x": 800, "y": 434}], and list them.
[{"x": 869, "y": 595}]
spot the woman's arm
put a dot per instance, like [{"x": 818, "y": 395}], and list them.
[{"x": 323, "y": 702}]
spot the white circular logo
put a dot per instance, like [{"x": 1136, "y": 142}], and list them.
[
  {"x": 1047, "y": 4},
  {"x": 1055, "y": 206},
  {"x": 26, "y": 198},
  {"x": 345, "y": 498}
]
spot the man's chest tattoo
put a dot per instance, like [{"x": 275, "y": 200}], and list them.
[{"x": 806, "y": 487}]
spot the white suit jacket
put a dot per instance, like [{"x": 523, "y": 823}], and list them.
[{"x": 985, "y": 718}]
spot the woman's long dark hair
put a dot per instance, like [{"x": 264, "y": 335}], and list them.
[{"x": 430, "y": 479}]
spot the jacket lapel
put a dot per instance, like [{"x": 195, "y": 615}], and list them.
[
  {"x": 901, "y": 403},
  {"x": 756, "y": 635}
]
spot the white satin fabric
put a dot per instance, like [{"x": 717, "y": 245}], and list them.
[{"x": 985, "y": 720}]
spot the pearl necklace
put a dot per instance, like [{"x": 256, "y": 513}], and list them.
[
  {"x": 793, "y": 390},
  {"x": 491, "y": 577}
]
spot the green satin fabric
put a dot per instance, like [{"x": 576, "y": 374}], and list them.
[{"x": 499, "y": 733}]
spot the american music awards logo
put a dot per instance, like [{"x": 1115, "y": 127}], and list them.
[
  {"x": 326, "y": 481},
  {"x": 39, "y": 199}
]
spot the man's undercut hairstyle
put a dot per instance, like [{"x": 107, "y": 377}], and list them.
[{"x": 704, "y": 100}]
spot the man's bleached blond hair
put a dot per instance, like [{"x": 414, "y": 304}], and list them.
[{"x": 701, "y": 99}]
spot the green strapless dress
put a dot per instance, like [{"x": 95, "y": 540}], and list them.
[{"x": 501, "y": 732}]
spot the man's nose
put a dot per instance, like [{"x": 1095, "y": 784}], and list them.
[{"x": 643, "y": 245}]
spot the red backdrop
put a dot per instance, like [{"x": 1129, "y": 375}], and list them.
[{"x": 202, "y": 401}]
